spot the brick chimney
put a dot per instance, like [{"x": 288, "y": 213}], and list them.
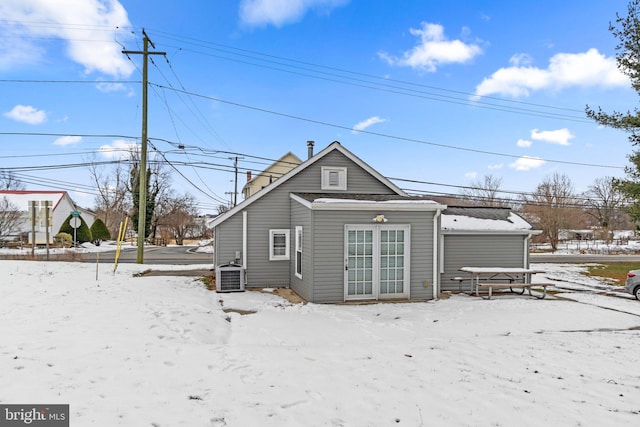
[{"x": 248, "y": 176}]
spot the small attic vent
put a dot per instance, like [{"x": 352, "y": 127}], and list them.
[{"x": 229, "y": 278}]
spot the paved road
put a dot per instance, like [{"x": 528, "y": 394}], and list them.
[{"x": 176, "y": 255}]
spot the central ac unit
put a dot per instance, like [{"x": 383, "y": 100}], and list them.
[{"x": 229, "y": 278}]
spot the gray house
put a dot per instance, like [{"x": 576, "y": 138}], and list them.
[
  {"x": 481, "y": 237},
  {"x": 334, "y": 230}
]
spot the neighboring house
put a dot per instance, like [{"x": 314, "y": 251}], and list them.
[
  {"x": 279, "y": 168},
  {"x": 482, "y": 237},
  {"x": 587, "y": 234},
  {"x": 61, "y": 207},
  {"x": 334, "y": 230}
]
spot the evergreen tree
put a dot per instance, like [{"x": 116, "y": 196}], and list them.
[
  {"x": 99, "y": 230},
  {"x": 627, "y": 31},
  {"x": 83, "y": 233}
]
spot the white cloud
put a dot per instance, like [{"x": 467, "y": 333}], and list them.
[
  {"x": 471, "y": 175},
  {"x": 281, "y": 12},
  {"x": 526, "y": 163},
  {"x": 118, "y": 149},
  {"x": 520, "y": 59},
  {"x": 524, "y": 143},
  {"x": 91, "y": 44},
  {"x": 560, "y": 136},
  {"x": 434, "y": 49},
  {"x": 496, "y": 166},
  {"x": 367, "y": 123},
  {"x": 67, "y": 140},
  {"x": 27, "y": 114},
  {"x": 590, "y": 68},
  {"x": 112, "y": 87}
]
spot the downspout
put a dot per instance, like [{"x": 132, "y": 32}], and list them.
[
  {"x": 436, "y": 234},
  {"x": 527, "y": 239},
  {"x": 244, "y": 244}
]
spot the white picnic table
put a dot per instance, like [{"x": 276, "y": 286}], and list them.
[{"x": 509, "y": 277}]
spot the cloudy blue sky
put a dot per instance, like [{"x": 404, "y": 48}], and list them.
[{"x": 441, "y": 92}]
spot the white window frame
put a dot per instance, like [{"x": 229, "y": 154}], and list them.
[
  {"x": 298, "y": 263},
  {"x": 342, "y": 178},
  {"x": 272, "y": 234}
]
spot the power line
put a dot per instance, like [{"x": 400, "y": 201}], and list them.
[
  {"x": 212, "y": 196},
  {"x": 383, "y": 135},
  {"x": 332, "y": 70},
  {"x": 68, "y": 81},
  {"x": 83, "y": 135}
]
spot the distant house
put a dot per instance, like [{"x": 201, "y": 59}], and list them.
[
  {"x": 61, "y": 207},
  {"x": 585, "y": 234},
  {"x": 334, "y": 229},
  {"x": 277, "y": 169}
]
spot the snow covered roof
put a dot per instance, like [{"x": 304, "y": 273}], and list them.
[
  {"x": 343, "y": 201},
  {"x": 459, "y": 218}
]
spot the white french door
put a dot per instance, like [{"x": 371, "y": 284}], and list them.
[{"x": 376, "y": 261}]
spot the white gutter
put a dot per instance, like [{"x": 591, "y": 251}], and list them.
[{"x": 436, "y": 228}]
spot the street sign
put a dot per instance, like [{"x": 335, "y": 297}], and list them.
[
  {"x": 75, "y": 214},
  {"x": 75, "y": 222}
]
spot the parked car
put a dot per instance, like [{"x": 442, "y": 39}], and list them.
[{"x": 633, "y": 283}]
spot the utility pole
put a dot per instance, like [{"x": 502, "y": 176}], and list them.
[
  {"x": 142, "y": 170},
  {"x": 32, "y": 208},
  {"x": 47, "y": 222},
  {"x": 235, "y": 190},
  {"x": 230, "y": 193}
]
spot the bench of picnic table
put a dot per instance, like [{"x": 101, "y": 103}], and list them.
[{"x": 523, "y": 286}]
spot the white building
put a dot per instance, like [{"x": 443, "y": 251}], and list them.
[{"x": 61, "y": 206}]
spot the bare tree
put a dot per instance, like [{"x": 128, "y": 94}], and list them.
[
  {"x": 10, "y": 218},
  {"x": 484, "y": 192},
  {"x": 118, "y": 192},
  {"x": 113, "y": 202},
  {"x": 8, "y": 181},
  {"x": 604, "y": 202},
  {"x": 180, "y": 218},
  {"x": 550, "y": 206}
]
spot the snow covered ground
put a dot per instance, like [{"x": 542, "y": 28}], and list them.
[{"x": 164, "y": 351}]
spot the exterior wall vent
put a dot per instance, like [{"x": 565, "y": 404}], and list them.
[{"x": 230, "y": 278}]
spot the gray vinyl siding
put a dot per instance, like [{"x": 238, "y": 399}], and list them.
[
  {"x": 328, "y": 251},
  {"x": 358, "y": 180},
  {"x": 479, "y": 251},
  {"x": 272, "y": 211},
  {"x": 228, "y": 240},
  {"x": 301, "y": 216}
]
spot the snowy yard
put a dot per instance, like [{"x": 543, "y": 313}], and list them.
[{"x": 162, "y": 351}]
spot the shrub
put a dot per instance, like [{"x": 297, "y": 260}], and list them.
[
  {"x": 83, "y": 233},
  {"x": 99, "y": 230},
  {"x": 64, "y": 239}
]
